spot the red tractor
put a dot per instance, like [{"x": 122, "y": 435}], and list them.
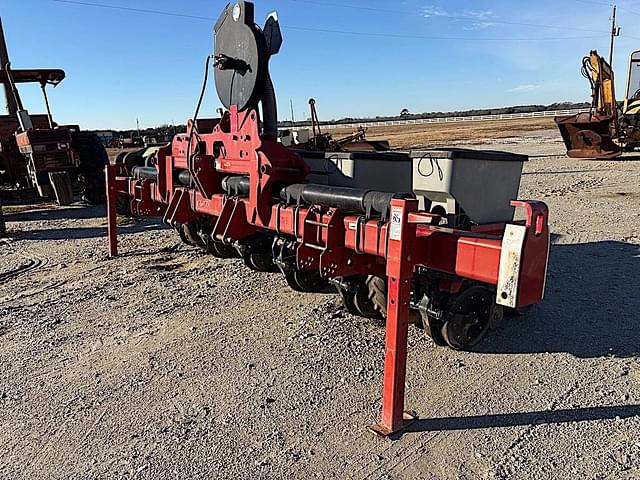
[{"x": 36, "y": 153}]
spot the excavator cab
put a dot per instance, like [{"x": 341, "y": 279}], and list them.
[
  {"x": 632, "y": 99},
  {"x": 630, "y": 118},
  {"x": 594, "y": 134}
]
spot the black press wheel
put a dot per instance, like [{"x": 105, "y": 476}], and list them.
[
  {"x": 258, "y": 254},
  {"x": 219, "y": 249},
  {"x": 467, "y": 318},
  {"x": 433, "y": 329},
  {"x": 348, "y": 301},
  {"x": 260, "y": 262},
  {"x": 183, "y": 237},
  {"x": 305, "y": 281},
  {"x": 189, "y": 234},
  {"x": 215, "y": 247}
]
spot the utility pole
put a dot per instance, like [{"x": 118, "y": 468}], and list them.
[
  {"x": 293, "y": 118},
  {"x": 615, "y": 32},
  {"x": 138, "y": 125}
]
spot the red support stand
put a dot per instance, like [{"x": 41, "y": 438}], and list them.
[
  {"x": 110, "y": 178},
  {"x": 399, "y": 273}
]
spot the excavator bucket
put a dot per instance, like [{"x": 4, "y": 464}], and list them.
[{"x": 588, "y": 135}]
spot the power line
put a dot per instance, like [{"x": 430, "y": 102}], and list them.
[
  {"x": 431, "y": 37},
  {"x": 605, "y": 4},
  {"x": 611, "y": 4},
  {"x": 137, "y": 10},
  {"x": 327, "y": 30},
  {"x": 592, "y": 2},
  {"x": 629, "y": 11},
  {"x": 443, "y": 14}
]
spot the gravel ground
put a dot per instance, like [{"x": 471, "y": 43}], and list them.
[{"x": 164, "y": 363}]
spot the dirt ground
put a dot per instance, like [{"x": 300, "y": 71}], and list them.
[
  {"x": 164, "y": 363},
  {"x": 439, "y": 134}
]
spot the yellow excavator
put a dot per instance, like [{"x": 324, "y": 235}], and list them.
[{"x": 607, "y": 129}]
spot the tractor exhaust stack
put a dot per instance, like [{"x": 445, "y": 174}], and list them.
[{"x": 11, "y": 105}]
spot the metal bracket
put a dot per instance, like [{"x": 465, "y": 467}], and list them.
[{"x": 509, "y": 273}]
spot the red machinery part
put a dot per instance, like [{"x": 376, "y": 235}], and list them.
[
  {"x": 509, "y": 258},
  {"x": 227, "y": 185},
  {"x": 112, "y": 193}
]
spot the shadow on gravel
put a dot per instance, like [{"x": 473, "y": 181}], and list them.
[
  {"x": 591, "y": 306},
  {"x": 564, "y": 172},
  {"x": 83, "y": 233},
  {"x": 502, "y": 420},
  {"x": 66, "y": 213},
  {"x": 628, "y": 157}
]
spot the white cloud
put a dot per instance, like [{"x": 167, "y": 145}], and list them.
[
  {"x": 481, "y": 18},
  {"x": 478, "y": 14},
  {"x": 479, "y": 26},
  {"x": 433, "y": 11},
  {"x": 524, "y": 88}
]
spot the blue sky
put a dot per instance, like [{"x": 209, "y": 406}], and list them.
[{"x": 424, "y": 55}]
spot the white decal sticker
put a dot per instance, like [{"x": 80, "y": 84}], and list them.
[{"x": 396, "y": 223}]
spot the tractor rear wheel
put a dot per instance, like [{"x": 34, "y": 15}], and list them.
[
  {"x": 123, "y": 206},
  {"x": 370, "y": 300},
  {"x": 371, "y": 297},
  {"x": 93, "y": 159}
]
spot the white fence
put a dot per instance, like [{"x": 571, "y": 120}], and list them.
[{"x": 474, "y": 118}]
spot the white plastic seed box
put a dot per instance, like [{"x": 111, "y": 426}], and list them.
[
  {"x": 380, "y": 171},
  {"x": 478, "y": 183}
]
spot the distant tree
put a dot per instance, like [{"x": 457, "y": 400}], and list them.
[{"x": 404, "y": 112}]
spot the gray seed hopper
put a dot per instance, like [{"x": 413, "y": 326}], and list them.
[
  {"x": 478, "y": 183},
  {"x": 457, "y": 183}
]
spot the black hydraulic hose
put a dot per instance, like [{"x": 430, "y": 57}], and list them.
[
  {"x": 202, "y": 91},
  {"x": 587, "y": 72},
  {"x": 356, "y": 200},
  {"x": 369, "y": 202},
  {"x": 194, "y": 130},
  {"x": 151, "y": 174}
]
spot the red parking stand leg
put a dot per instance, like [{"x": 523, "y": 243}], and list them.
[
  {"x": 399, "y": 273},
  {"x": 112, "y": 226}
]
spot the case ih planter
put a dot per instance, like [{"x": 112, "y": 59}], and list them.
[{"x": 229, "y": 187}]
